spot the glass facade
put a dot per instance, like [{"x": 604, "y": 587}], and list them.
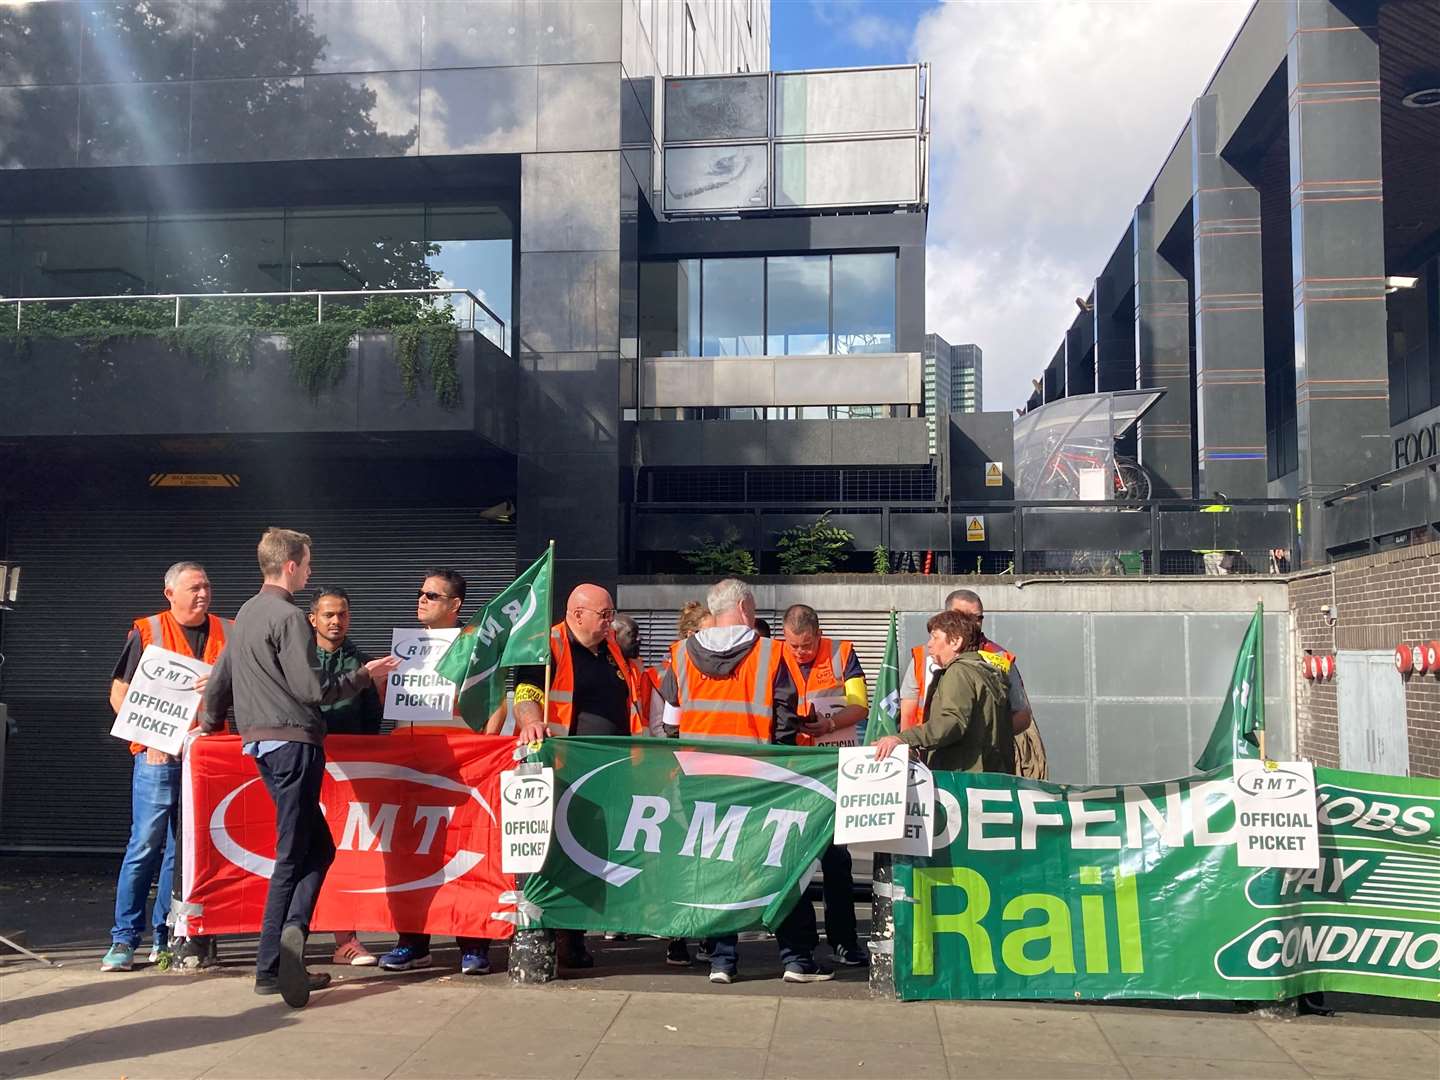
[
  {"x": 263, "y": 250},
  {"x": 782, "y": 305}
]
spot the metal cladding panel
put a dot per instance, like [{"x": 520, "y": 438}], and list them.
[{"x": 87, "y": 574}]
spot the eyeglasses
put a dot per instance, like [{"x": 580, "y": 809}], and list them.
[
  {"x": 606, "y": 614},
  {"x": 433, "y": 597}
]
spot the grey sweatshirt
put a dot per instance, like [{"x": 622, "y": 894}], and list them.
[{"x": 270, "y": 673}]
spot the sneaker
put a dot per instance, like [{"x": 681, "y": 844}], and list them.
[
  {"x": 724, "y": 976},
  {"x": 350, "y": 951},
  {"x": 850, "y": 956},
  {"x": 475, "y": 963},
  {"x": 807, "y": 971},
  {"x": 121, "y": 957},
  {"x": 404, "y": 958},
  {"x": 705, "y": 950},
  {"x": 677, "y": 953}
]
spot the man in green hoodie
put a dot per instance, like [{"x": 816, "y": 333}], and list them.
[{"x": 967, "y": 712}]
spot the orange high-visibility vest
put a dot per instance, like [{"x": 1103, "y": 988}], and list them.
[
  {"x": 827, "y": 671},
  {"x": 164, "y": 630},
  {"x": 647, "y": 686},
  {"x": 997, "y": 657},
  {"x": 739, "y": 707},
  {"x": 560, "y": 714}
]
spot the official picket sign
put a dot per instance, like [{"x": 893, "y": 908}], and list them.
[
  {"x": 870, "y": 794},
  {"x": 920, "y": 823},
  {"x": 826, "y": 703},
  {"x": 416, "y": 693},
  {"x": 1275, "y": 814},
  {"x": 527, "y": 802},
  {"x": 161, "y": 702}
]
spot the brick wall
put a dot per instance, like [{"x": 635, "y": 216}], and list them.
[{"x": 1383, "y": 600}]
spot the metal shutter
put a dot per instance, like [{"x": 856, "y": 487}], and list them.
[{"x": 88, "y": 574}]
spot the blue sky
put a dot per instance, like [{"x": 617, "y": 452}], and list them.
[
  {"x": 1049, "y": 120},
  {"x": 842, "y": 33}
]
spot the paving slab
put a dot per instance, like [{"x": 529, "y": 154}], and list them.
[
  {"x": 1325, "y": 1049},
  {"x": 622, "y": 1061},
  {"x": 689, "y": 1020},
  {"x": 297, "y": 1054},
  {"x": 831, "y": 1060},
  {"x": 857, "y": 1021},
  {"x": 1041, "y": 1033},
  {"x": 1163, "y": 1068},
  {"x": 1028, "y": 1068},
  {"x": 1155, "y": 1034}
]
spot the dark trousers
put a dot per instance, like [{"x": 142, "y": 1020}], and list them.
[
  {"x": 795, "y": 937},
  {"x": 839, "y": 890},
  {"x": 304, "y": 849}
]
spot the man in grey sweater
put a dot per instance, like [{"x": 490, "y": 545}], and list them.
[{"x": 270, "y": 674}]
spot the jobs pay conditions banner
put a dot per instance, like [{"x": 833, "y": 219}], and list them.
[{"x": 1036, "y": 890}]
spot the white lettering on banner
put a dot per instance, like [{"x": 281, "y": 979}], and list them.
[
  {"x": 1276, "y": 816},
  {"x": 646, "y": 814},
  {"x": 527, "y": 803},
  {"x": 433, "y": 817},
  {"x": 161, "y": 703},
  {"x": 724, "y": 836},
  {"x": 784, "y": 822},
  {"x": 870, "y": 794},
  {"x": 364, "y": 832},
  {"x": 415, "y": 693}
]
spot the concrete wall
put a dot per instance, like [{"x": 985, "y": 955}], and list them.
[{"x": 1126, "y": 677}]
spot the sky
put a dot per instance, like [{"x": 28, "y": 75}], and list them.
[{"x": 1049, "y": 119}]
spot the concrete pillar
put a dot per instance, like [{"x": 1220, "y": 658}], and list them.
[
  {"x": 1338, "y": 254},
  {"x": 1229, "y": 318},
  {"x": 1162, "y": 359}
]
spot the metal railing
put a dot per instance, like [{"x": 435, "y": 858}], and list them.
[
  {"x": 1390, "y": 510},
  {"x": 490, "y": 325}
]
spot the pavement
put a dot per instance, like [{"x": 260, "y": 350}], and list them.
[{"x": 631, "y": 1016}]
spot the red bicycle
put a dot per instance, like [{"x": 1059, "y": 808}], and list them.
[{"x": 1130, "y": 482}]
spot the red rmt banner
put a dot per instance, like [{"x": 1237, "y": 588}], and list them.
[{"x": 416, "y": 822}]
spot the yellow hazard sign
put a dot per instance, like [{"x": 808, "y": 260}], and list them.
[
  {"x": 994, "y": 474},
  {"x": 974, "y": 528}
]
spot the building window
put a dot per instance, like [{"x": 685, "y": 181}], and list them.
[
  {"x": 732, "y": 311},
  {"x": 797, "y": 300},
  {"x": 865, "y": 303},
  {"x": 784, "y": 305}
]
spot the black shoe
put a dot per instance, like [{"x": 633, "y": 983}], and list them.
[
  {"x": 266, "y": 985},
  {"x": 580, "y": 958},
  {"x": 295, "y": 983},
  {"x": 677, "y": 953}
]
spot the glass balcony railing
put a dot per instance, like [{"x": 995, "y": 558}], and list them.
[{"x": 851, "y": 137}]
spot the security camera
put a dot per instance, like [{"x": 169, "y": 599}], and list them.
[{"x": 1329, "y": 614}]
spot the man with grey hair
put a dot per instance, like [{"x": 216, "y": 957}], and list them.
[
  {"x": 185, "y": 627},
  {"x": 712, "y": 672}
]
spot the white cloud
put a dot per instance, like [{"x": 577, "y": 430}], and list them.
[
  {"x": 1049, "y": 121},
  {"x": 861, "y": 28}
]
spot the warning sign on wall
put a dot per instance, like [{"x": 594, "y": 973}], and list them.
[
  {"x": 974, "y": 528},
  {"x": 994, "y": 474}
]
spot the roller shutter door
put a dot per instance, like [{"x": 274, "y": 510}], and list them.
[{"x": 87, "y": 575}]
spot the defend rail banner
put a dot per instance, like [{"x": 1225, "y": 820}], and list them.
[
  {"x": 681, "y": 838},
  {"x": 1044, "y": 891},
  {"x": 415, "y": 817}
]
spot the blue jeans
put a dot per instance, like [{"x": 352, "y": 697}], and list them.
[
  {"x": 154, "y": 800},
  {"x": 795, "y": 937}
]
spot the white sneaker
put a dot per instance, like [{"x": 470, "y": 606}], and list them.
[{"x": 720, "y": 975}]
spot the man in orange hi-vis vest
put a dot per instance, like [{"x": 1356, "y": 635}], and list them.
[
  {"x": 728, "y": 684},
  {"x": 1029, "y": 748},
  {"x": 593, "y": 691},
  {"x": 187, "y": 628}
]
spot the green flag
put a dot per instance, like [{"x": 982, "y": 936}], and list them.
[
  {"x": 512, "y": 629},
  {"x": 884, "y": 716},
  {"x": 1242, "y": 717}
]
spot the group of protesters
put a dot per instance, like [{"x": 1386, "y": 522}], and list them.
[{"x": 290, "y": 679}]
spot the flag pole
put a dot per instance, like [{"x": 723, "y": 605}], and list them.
[
  {"x": 549, "y": 654},
  {"x": 1260, "y": 680}
]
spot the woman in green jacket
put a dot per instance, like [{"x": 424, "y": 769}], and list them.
[{"x": 967, "y": 713}]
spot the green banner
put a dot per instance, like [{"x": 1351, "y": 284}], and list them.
[
  {"x": 681, "y": 838},
  {"x": 1046, "y": 891},
  {"x": 511, "y": 630}
]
